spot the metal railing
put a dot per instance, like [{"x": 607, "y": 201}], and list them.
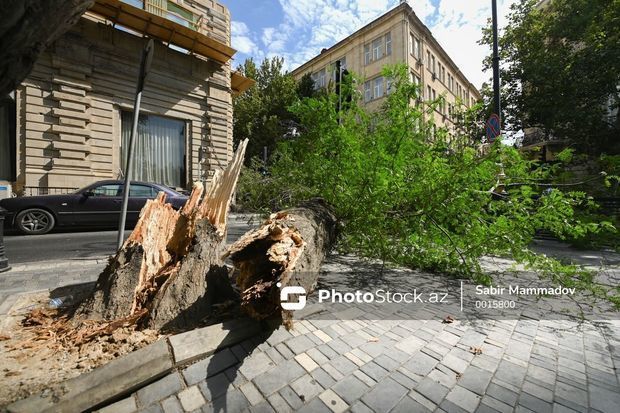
[{"x": 47, "y": 190}]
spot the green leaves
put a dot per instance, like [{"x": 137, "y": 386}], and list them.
[
  {"x": 405, "y": 198},
  {"x": 261, "y": 113},
  {"x": 560, "y": 71}
]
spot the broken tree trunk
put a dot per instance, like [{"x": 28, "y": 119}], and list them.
[
  {"x": 287, "y": 250},
  {"x": 162, "y": 273}
]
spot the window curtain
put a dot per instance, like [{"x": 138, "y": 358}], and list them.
[
  {"x": 5, "y": 144},
  {"x": 159, "y": 149}
]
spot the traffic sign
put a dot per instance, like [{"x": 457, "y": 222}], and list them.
[{"x": 493, "y": 128}]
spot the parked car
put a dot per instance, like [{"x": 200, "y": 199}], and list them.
[{"x": 95, "y": 206}]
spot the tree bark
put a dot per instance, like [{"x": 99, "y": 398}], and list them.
[
  {"x": 27, "y": 27},
  {"x": 287, "y": 250},
  {"x": 162, "y": 274}
]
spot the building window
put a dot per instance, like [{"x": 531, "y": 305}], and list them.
[
  {"x": 415, "y": 47},
  {"x": 389, "y": 86},
  {"x": 434, "y": 94},
  {"x": 428, "y": 58},
  {"x": 367, "y": 92},
  {"x": 433, "y": 66},
  {"x": 388, "y": 44},
  {"x": 443, "y": 74},
  {"x": 378, "y": 89},
  {"x": 428, "y": 92},
  {"x": 159, "y": 149},
  {"x": 343, "y": 67},
  {"x": 321, "y": 79},
  {"x": 377, "y": 49},
  {"x": 367, "y": 54},
  {"x": 180, "y": 15}
]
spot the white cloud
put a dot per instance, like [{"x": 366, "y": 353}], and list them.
[
  {"x": 458, "y": 27},
  {"x": 424, "y": 9},
  {"x": 241, "y": 38}
]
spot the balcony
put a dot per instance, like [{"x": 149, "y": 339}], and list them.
[{"x": 171, "y": 23}]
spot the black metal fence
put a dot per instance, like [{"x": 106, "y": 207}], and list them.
[{"x": 47, "y": 190}]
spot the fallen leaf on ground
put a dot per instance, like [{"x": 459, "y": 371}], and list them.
[
  {"x": 475, "y": 350},
  {"x": 4, "y": 337},
  {"x": 373, "y": 339},
  {"x": 448, "y": 320}
]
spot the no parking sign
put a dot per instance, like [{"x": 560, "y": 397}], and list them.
[{"x": 493, "y": 128}]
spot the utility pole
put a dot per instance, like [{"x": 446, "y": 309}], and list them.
[
  {"x": 497, "y": 106},
  {"x": 147, "y": 58}
]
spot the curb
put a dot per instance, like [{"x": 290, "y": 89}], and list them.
[
  {"x": 128, "y": 373},
  {"x": 52, "y": 264}
]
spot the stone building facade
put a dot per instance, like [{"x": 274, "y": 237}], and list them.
[
  {"x": 67, "y": 125},
  {"x": 398, "y": 36}
]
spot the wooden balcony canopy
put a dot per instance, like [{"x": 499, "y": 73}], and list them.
[
  {"x": 240, "y": 83},
  {"x": 160, "y": 28}
]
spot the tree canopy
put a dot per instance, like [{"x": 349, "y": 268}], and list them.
[
  {"x": 560, "y": 70},
  {"x": 261, "y": 113}
]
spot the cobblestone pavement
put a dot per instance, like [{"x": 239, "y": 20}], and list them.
[{"x": 370, "y": 364}]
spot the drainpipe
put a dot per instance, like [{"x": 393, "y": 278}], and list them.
[{"x": 4, "y": 262}]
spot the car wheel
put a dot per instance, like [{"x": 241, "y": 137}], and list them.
[{"x": 35, "y": 221}]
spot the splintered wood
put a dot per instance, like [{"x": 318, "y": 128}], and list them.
[
  {"x": 162, "y": 269},
  {"x": 287, "y": 249}
]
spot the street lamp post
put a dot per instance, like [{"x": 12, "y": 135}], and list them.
[
  {"x": 147, "y": 58},
  {"x": 497, "y": 106}
]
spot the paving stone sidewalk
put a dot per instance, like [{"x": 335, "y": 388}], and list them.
[{"x": 373, "y": 364}]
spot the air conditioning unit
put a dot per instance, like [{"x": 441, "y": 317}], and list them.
[{"x": 5, "y": 190}]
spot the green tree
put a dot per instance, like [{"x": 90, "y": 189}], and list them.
[
  {"x": 305, "y": 87},
  {"x": 261, "y": 113},
  {"x": 408, "y": 199},
  {"x": 561, "y": 70}
]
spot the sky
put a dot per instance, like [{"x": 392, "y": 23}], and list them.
[{"x": 298, "y": 29}]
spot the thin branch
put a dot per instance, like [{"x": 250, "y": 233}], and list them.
[
  {"x": 554, "y": 185},
  {"x": 447, "y": 234}
]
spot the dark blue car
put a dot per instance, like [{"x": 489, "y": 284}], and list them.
[{"x": 96, "y": 206}]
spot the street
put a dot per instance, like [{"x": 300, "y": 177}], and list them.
[{"x": 21, "y": 249}]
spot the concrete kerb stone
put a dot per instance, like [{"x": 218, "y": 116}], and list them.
[{"x": 135, "y": 370}]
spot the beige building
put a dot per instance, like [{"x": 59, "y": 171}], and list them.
[
  {"x": 396, "y": 37},
  {"x": 67, "y": 125}
]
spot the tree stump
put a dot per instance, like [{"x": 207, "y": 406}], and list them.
[
  {"x": 287, "y": 250},
  {"x": 162, "y": 273}
]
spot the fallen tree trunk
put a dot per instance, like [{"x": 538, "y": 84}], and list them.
[
  {"x": 161, "y": 276},
  {"x": 287, "y": 250}
]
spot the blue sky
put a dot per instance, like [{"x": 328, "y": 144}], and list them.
[{"x": 298, "y": 29}]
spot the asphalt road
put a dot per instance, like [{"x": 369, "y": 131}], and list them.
[{"x": 21, "y": 249}]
